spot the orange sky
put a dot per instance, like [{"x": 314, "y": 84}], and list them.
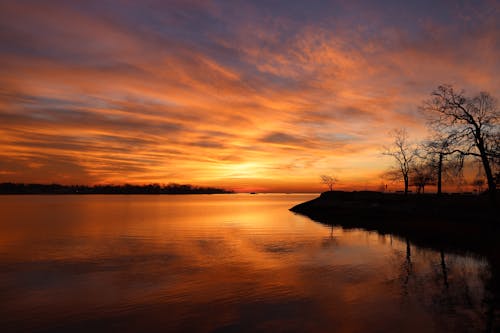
[{"x": 261, "y": 95}]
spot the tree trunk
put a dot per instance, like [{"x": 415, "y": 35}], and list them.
[
  {"x": 487, "y": 168},
  {"x": 406, "y": 184},
  {"x": 440, "y": 172}
]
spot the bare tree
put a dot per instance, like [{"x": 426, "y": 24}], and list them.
[
  {"x": 470, "y": 123},
  {"x": 404, "y": 153},
  {"x": 453, "y": 172},
  {"x": 478, "y": 184},
  {"x": 441, "y": 154},
  {"x": 329, "y": 181},
  {"x": 496, "y": 156},
  {"x": 422, "y": 174}
]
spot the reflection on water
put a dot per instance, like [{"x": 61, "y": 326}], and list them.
[{"x": 221, "y": 263}]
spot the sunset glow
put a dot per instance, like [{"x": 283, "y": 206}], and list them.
[{"x": 245, "y": 95}]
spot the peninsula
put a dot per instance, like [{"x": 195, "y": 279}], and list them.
[{"x": 464, "y": 223}]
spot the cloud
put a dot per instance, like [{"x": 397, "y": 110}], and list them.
[
  {"x": 281, "y": 138},
  {"x": 201, "y": 91}
]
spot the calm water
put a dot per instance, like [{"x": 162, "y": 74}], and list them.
[{"x": 220, "y": 263}]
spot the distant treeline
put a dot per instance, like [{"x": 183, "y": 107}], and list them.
[{"x": 16, "y": 188}]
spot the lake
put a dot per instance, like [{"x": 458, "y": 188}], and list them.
[{"x": 223, "y": 263}]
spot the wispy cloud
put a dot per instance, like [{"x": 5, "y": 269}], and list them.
[{"x": 239, "y": 94}]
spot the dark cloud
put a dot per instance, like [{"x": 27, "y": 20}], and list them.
[
  {"x": 208, "y": 144},
  {"x": 81, "y": 118},
  {"x": 39, "y": 168},
  {"x": 282, "y": 138}
]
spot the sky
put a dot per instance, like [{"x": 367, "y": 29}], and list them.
[{"x": 246, "y": 95}]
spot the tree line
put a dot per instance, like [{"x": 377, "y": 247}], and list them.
[
  {"x": 17, "y": 188},
  {"x": 462, "y": 127}
]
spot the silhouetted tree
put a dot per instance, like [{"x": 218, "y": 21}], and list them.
[
  {"x": 328, "y": 181},
  {"x": 438, "y": 151},
  {"x": 422, "y": 174},
  {"x": 470, "y": 123},
  {"x": 478, "y": 183},
  {"x": 404, "y": 153}
]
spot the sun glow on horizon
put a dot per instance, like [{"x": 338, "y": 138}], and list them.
[{"x": 237, "y": 95}]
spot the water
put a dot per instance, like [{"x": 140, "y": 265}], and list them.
[{"x": 224, "y": 263}]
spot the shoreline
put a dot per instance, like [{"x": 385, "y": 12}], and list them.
[
  {"x": 59, "y": 189},
  {"x": 461, "y": 224}
]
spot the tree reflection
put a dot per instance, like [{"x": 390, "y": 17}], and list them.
[
  {"x": 491, "y": 279},
  {"x": 331, "y": 240},
  {"x": 448, "y": 287},
  {"x": 444, "y": 269},
  {"x": 408, "y": 268}
]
